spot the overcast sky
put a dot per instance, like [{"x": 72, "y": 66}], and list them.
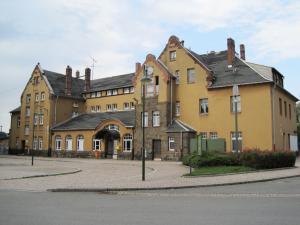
[{"x": 117, "y": 34}]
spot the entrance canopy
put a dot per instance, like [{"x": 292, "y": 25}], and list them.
[{"x": 106, "y": 133}]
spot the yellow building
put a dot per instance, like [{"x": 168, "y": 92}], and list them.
[{"x": 189, "y": 94}]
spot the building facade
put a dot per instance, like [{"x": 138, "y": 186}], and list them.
[{"x": 188, "y": 94}]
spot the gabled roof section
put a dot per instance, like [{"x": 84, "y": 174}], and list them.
[
  {"x": 57, "y": 83},
  {"x": 16, "y": 110},
  {"x": 178, "y": 126},
  {"x": 90, "y": 121},
  {"x": 119, "y": 81},
  {"x": 240, "y": 73}
]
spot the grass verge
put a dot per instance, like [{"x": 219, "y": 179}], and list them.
[{"x": 218, "y": 170}]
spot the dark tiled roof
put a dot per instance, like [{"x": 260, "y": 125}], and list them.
[
  {"x": 106, "y": 83},
  {"x": 57, "y": 82},
  {"x": 3, "y": 135},
  {"x": 89, "y": 121},
  {"x": 241, "y": 73},
  {"x": 179, "y": 126},
  {"x": 18, "y": 109}
]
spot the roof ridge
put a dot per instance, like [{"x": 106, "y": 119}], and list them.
[{"x": 184, "y": 124}]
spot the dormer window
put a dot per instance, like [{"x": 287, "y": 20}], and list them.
[
  {"x": 108, "y": 93},
  {"x": 93, "y": 95},
  {"x": 172, "y": 55},
  {"x": 126, "y": 90},
  {"x": 115, "y": 92}
]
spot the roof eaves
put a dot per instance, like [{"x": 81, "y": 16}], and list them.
[
  {"x": 239, "y": 84},
  {"x": 48, "y": 84}
]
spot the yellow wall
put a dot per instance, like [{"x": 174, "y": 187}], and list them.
[
  {"x": 54, "y": 110},
  {"x": 255, "y": 120},
  {"x": 116, "y": 99},
  {"x": 284, "y": 125},
  {"x": 89, "y": 136}
]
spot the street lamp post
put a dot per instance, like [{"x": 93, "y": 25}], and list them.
[
  {"x": 145, "y": 79},
  {"x": 235, "y": 92}
]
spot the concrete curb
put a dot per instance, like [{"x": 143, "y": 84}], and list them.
[
  {"x": 43, "y": 175},
  {"x": 112, "y": 190}
]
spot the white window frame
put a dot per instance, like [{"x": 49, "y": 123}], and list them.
[
  {"x": 131, "y": 89},
  {"x": 74, "y": 114},
  {"x": 98, "y": 94},
  {"x": 203, "y": 102},
  {"x": 170, "y": 141},
  {"x": 37, "y": 97},
  {"x": 35, "y": 119},
  {"x": 203, "y": 135},
  {"x": 26, "y": 131},
  {"x": 42, "y": 96},
  {"x": 145, "y": 116},
  {"x": 40, "y": 143},
  {"x": 132, "y": 105},
  {"x": 127, "y": 139},
  {"x": 93, "y": 95},
  {"x": 126, "y": 90},
  {"x": 27, "y": 111},
  {"x": 96, "y": 144},
  {"x": 41, "y": 119},
  {"x": 93, "y": 109},
  {"x": 28, "y": 97},
  {"x": 172, "y": 55},
  {"x": 80, "y": 141},
  {"x": 108, "y": 108},
  {"x": 35, "y": 143},
  {"x": 156, "y": 118},
  {"x": 58, "y": 143},
  {"x": 177, "y": 75},
  {"x": 191, "y": 76},
  {"x": 109, "y": 92},
  {"x": 69, "y": 143},
  {"x": 115, "y": 92},
  {"x": 126, "y": 106},
  {"x": 213, "y": 135},
  {"x": 177, "y": 108},
  {"x": 240, "y": 139},
  {"x": 115, "y": 107},
  {"x": 98, "y": 108},
  {"x": 239, "y": 105}
]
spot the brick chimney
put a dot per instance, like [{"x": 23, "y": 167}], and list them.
[
  {"x": 77, "y": 74},
  {"x": 242, "y": 52},
  {"x": 68, "y": 82},
  {"x": 137, "y": 67},
  {"x": 87, "y": 76},
  {"x": 230, "y": 51}
]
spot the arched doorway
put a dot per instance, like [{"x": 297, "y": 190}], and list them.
[{"x": 110, "y": 138}]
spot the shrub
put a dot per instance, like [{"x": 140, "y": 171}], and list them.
[
  {"x": 268, "y": 159},
  {"x": 251, "y": 158},
  {"x": 210, "y": 159}
]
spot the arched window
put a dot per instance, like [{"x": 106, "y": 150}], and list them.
[
  {"x": 69, "y": 143},
  {"x": 80, "y": 143},
  {"x": 127, "y": 143},
  {"x": 58, "y": 143}
]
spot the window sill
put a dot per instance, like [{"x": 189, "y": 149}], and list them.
[{"x": 203, "y": 114}]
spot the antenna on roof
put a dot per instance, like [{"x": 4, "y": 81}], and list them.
[{"x": 93, "y": 66}]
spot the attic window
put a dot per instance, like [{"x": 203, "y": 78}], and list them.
[{"x": 172, "y": 55}]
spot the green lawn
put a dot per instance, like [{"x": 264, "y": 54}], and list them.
[{"x": 213, "y": 170}]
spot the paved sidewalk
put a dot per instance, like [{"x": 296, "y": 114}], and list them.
[{"x": 97, "y": 175}]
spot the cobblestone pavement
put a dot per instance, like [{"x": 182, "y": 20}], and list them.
[{"x": 112, "y": 174}]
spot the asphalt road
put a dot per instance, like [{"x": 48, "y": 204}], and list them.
[{"x": 276, "y": 203}]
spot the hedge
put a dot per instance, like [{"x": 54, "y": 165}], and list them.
[{"x": 254, "y": 159}]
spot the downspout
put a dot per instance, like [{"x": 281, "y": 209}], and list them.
[
  {"x": 171, "y": 101},
  {"x": 55, "y": 109},
  {"x": 181, "y": 144},
  {"x": 273, "y": 116}
]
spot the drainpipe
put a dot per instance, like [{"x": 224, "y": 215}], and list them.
[
  {"x": 273, "y": 116},
  {"x": 55, "y": 109},
  {"x": 171, "y": 110}
]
